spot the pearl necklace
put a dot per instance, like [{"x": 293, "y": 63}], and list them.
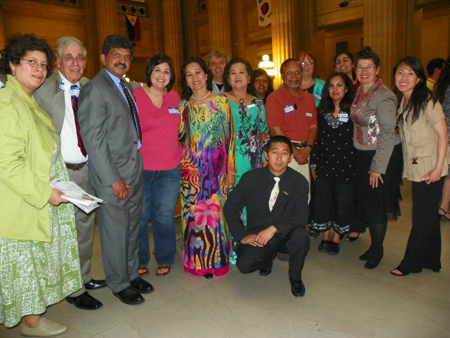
[{"x": 204, "y": 97}]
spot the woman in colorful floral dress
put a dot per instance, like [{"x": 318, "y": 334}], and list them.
[{"x": 207, "y": 172}]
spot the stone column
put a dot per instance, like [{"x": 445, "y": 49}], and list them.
[
  {"x": 2, "y": 31},
  {"x": 220, "y": 26},
  {"x": 190, "y": 9},
  {"x": 91, "y": 43},
  {"x": 107, "y": 24},
  {"x": 285, "y": 37},
  {"x": 173, "y": 37},
  {"x": 380, "y": 33}
]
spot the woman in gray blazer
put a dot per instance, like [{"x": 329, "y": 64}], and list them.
[{"x": 379, "y": 154}]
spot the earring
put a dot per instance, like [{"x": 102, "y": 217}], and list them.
[{"x": 13, "y": 74}]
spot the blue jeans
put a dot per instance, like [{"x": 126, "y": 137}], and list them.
[{"x": 161, "y": 191}]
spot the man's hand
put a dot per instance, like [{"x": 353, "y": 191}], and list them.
[
  {"x": 266, "y": 235},
  {"x": 251, "y": 240},
  {"x": 121, "y": 189},
  {"x": 301, "y": 155}
]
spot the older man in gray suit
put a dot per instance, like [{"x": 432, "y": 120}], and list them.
[
  {"x": 111, "y": 133},
  {"x": 58, "y": 96}
]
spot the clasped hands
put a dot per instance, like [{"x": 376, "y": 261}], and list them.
[
  {"x": 301, "y": 155},
  {"x": 262, "y": 238}
]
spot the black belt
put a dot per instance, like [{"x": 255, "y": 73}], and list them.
[
  {"x": 75, "y": 167},
  {"x": 299, "y": 145}
]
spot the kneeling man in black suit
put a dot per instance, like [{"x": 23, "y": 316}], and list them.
[{"x": 276, "y": 198}]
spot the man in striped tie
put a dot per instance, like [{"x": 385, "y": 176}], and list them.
[
  {"x": 276, "y": 198},
  {"x": 111, "y": 133}
]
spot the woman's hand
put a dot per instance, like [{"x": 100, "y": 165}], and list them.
[
  {"x": 55, "y": 198},
  {"x": 373, "y": 179},
  {"x": 433, "y": 176},
  {"x": 231, "y": 179},
  {"x": 314, "y": 173}
]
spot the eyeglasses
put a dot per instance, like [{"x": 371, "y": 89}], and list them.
[
  {"x": 70, "y": 59},
  {"x": 290, "y": 72},
  {"x": 36, "y": 64},
  {"x": 304, "y": 63},
  {"x": 119, "y": 56},
  {"x": 368, "y": 68}
]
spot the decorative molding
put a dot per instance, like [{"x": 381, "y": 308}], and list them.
[
  {"x": 356, "y": 24},
  {"x": 69, "y": 14},
  {"x": 436, "y": 6},
  {"x": 128, "y": 7},
  {"x": 65, "y": 3}
]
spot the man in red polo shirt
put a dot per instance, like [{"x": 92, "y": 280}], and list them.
[{"x": 292, "y": 112}]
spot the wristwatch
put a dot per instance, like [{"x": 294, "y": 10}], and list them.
[{"x": 308, "y": 145}]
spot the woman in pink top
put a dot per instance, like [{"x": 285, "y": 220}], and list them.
[{"x": 161, "y": 151}]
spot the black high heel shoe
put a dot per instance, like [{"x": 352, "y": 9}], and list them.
[{"x": 208, "y": 275}]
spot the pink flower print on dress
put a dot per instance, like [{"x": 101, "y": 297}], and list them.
[{"x": 207, "y": 213}]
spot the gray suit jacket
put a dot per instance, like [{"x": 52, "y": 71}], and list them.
[
  {"x": 108, "y": 133},
  {"x": 51, "y": 99}
]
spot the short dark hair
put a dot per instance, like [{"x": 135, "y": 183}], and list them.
[
  {"x": 433, "y": 64},
  {"x": 16, "y": 48},
  {"x": 367, "y": 54},
  {"x": 258, "y": 73},
  {"x": 443, "y": 83},
  {"x": 279, "y": 139},
  {"x": 289, "y": 61},
  {"x": 116, "y": 41},
  {"x": 226, "y": 73},
  {"x": 327, "y": 104},
  {"x": 155, "y": 61},
  {"x": 187, "y": 92}
]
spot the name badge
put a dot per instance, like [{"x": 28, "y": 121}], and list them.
[
  {"x": 308, "y": 115},
  {"x": 61, "y": 86},
  {"x": 288, "y": 109},
  {"x": 75, "y": 91},
  {"x": 318, "y": 96},
  {"x": 174, "y": 111},
  {"x": 343, "y": 117}
]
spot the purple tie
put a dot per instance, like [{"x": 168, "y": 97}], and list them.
[{"x": 74, "y": 92}]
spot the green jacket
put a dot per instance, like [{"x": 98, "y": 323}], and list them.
[{"x": 25, "y": 159}]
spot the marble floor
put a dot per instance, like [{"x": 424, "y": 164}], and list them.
[{"x": 342, "y": 299}]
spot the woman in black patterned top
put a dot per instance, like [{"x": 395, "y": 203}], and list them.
[{"x": 332, "y": 163}]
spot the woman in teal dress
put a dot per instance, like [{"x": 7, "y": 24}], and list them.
[
  {"x": 249, "y": 120},
  {"x": 39, "y": 264},
  {"x": 207, "y": 172}
]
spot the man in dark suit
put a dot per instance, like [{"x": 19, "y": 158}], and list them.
[
  {"x": 111, "y": 134},
  {"x": 58, "y": 96},
  {"x": 276, "y": 198}
]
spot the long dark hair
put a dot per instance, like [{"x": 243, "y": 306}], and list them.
[
  {"x": 327, "y": 104},
  {"x": 187, "y": 92},
  {"x": 226, "y": 73},
  {"x": 442, "y": 84},
  {"x": 420, "y": 95}
]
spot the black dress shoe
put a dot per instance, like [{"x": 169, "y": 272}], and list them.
[
  {"x": 85, "y": 302},
  {"x": 94, "y": 284},
  {"x": 141, "y": 285},
  {"x": 265, "y": 271},
  {"x": 297, "y": 288},
  {"x": 129, "y": 296}
]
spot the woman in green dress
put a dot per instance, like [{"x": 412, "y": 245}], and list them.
[
  {"x": 249, "y": 120},
  {"x": 39, "y": 264}
]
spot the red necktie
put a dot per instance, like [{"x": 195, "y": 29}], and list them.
[{"x": 74, "y": 92}]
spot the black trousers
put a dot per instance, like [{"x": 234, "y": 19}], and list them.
[
  {"x": 296, "y": 244},
  {"x": 424, "y": 243}
]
